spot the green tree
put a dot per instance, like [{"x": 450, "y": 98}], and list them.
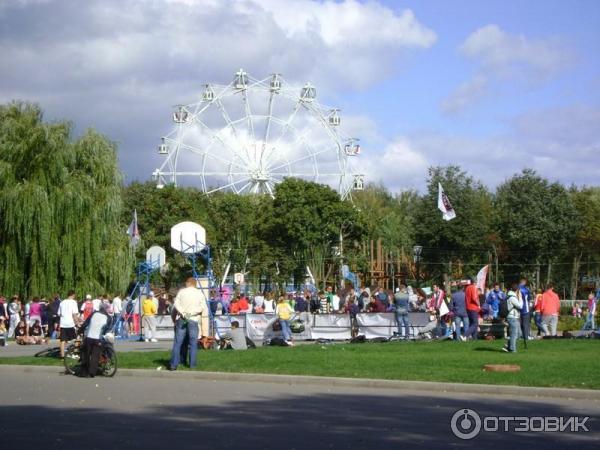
[
  {"x": 310, "y": 219},
  {"x": 536, "y": 220},
  {"x": 60, "y": 203},
  {"x": 586, "y": 243},
  {"x": 456, "y": 247}
]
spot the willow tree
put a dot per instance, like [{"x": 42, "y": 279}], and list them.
[{"x": 60, "y": 203}]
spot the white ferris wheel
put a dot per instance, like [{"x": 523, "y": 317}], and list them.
[{"x": 249, "y": 135}]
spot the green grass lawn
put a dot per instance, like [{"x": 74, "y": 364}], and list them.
[{"x": 555, "y": 363}]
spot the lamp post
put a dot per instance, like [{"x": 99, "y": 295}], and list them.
[{"x": 417, "y": 249}]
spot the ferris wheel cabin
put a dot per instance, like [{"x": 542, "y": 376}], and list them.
[
  {"x": 181, "y": 115},
  {"x": 358, "y": 183},
  {"x": 240, "y": 81},
  {"x": 334, "y": 118},
  {"x": 275, "y": 83},
  {"x": 308, "y": 93},
  {"x": 208, "y": 95}
]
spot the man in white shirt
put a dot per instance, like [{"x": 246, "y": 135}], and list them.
[
  {"x": 69, "y": 316},
  {"x": 117, "y": 305},
  {"x": 189, "y": 308}
]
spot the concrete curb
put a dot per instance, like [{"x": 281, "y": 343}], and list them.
[{"x": 291, "y": 380}]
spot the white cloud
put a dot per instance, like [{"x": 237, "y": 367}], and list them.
[
  {"x": 120, "y": 65},
  {"x": 501, "y": 56},
  {"x": 497, "y": 50},
  {"x": 561, "y": 144},
  {"x": 399, "y": 166},
  {"x": 466, "y": 94}
]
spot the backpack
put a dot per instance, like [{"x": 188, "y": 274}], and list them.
[
  {"x": 503, "y": 309},
  {"x": 88, "y": 310},
  {"x": 129, "y": 307}
]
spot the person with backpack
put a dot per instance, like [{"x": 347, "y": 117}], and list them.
[
  {"x": 87, "y": 309},
  {"x": 514, "y": 304}
]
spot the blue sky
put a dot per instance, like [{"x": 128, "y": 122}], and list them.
[{"x": 494, "y": 86}]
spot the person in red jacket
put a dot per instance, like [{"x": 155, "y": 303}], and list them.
[{"x": 473, "y": 308}]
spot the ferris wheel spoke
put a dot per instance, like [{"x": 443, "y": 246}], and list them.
[
  {"x": 231, "y": 126},
  {"x": 249, "y": 115},
  {"x": 285, "y": 128},
  {"x": 267, "y": 127},
  {"x": 303, "y": 158},
  {"x": 231, "y": 185},
  {"x": 212, "y": 155},
  {"x": 301, "y": 137},
  {"x": 213, "y": 136}
]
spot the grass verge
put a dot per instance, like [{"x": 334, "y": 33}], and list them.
[{"x": 547, "y": 363}]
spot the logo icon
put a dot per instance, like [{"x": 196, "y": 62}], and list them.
[{"x": 465, "y": 424}]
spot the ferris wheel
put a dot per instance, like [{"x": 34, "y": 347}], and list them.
[{"x": 249, "y": 135}]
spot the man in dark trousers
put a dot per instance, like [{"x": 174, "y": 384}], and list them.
[
  {"x": 525, "y": 314},
  {"x": 93, "y": 329},
  {"x": 52, "y": 311},
  {"x": 473, "y": 308}
]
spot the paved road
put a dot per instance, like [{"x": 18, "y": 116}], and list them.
[
  {"x": 44, "y": 409},
  {"x": 12, "y": 349}
]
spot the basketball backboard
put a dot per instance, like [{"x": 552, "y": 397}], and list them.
[
  {"x": 156, "y": 256},
  {"x": 188, "y": 237}
]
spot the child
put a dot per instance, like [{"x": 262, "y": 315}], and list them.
[{"x": 577, "y": 310}]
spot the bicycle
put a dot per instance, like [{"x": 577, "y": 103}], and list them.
[
  {"x": 50, "y": 352},
  {"x": 107, "y": 365}
]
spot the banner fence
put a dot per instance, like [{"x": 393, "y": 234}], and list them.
[{"x": 259, "y": 327}]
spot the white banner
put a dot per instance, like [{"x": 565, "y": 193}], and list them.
[
  {"x": 384, "y": 324},
  {"x": 376, "y": 325},
  {"x": 331, "y": 326},
  {"x": 164, "y": 327},
  {"x": 259, "y": 327}
]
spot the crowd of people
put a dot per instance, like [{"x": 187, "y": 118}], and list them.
[{"x": 457, "y": 314}]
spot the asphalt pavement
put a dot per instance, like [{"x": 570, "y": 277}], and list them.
[
  {"x": 13, "y": 349},
  {"x": 42, "y": 408}
]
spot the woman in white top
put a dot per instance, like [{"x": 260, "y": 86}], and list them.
[{"x": 269, "y": 305}]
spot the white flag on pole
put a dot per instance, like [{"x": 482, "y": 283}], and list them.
[
  {"x": 133, "y": 231},
  {"x": 444, "y": 204},
  {"x": 481, "y": 277}
]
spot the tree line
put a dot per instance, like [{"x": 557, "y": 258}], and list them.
[{"x": 64, "y": 210}]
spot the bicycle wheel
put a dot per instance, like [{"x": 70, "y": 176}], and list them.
[
  {"x": 73, "y": 359},
  {"x": 50, "y": 352},
  {"x": 107, "y": 365}
]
